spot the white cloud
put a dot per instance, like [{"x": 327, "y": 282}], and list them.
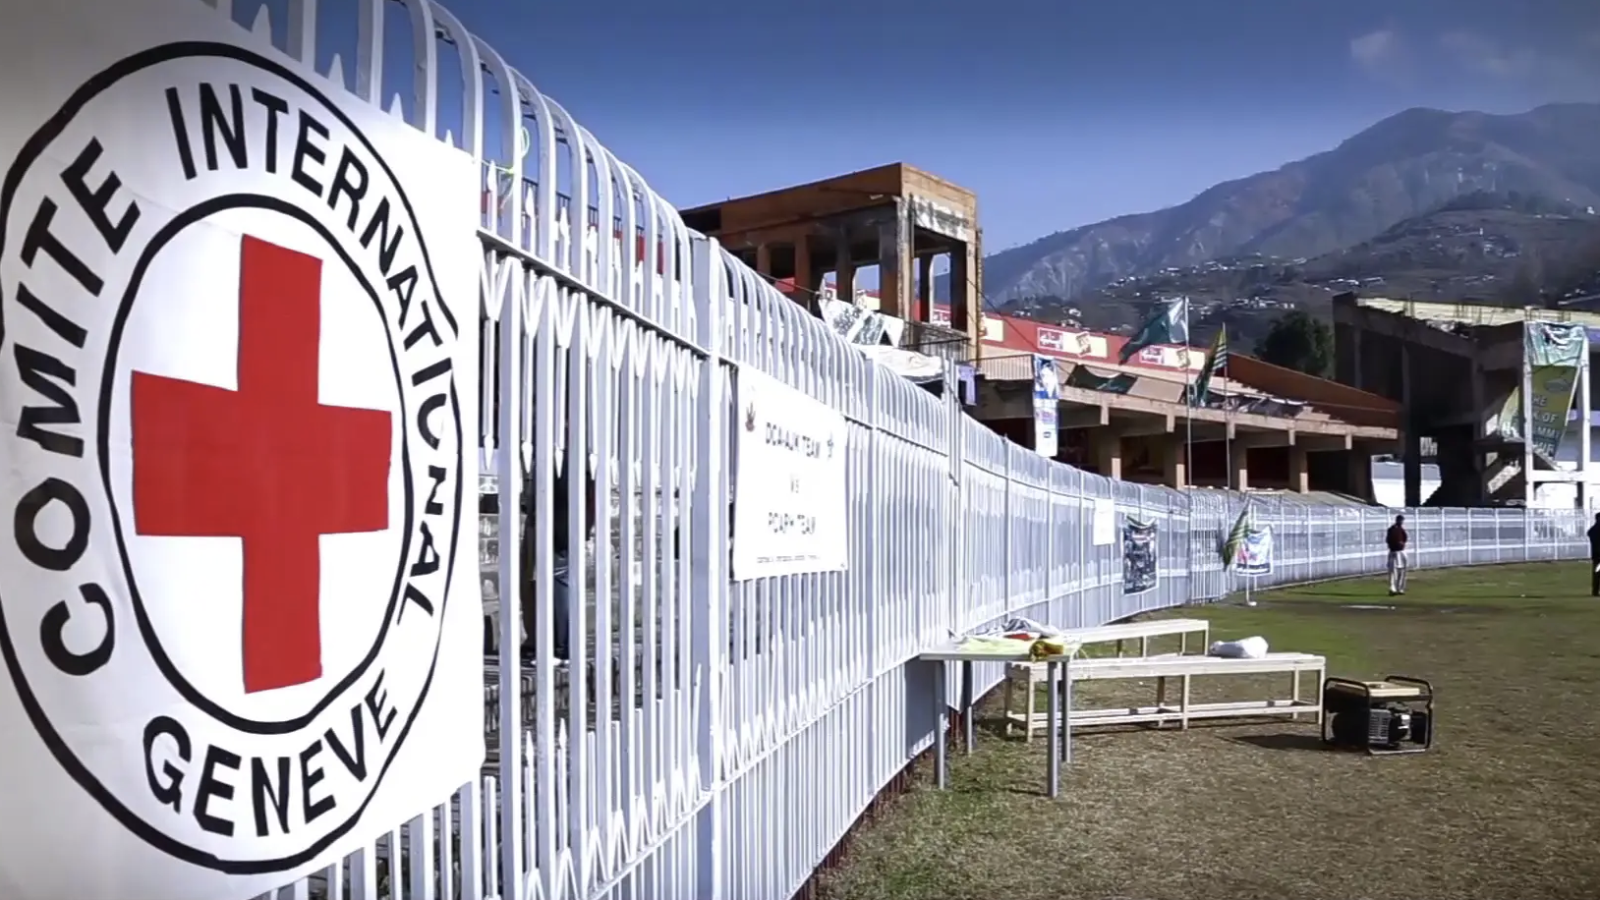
[
  {"x": 1573, "y": 70},
  {"x": 1477, "y": 53},
  {"x": 1570, "y": 70},
  {"x": 1381, "y": 54}
]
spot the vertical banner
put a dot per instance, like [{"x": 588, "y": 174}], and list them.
[
  {"x": 1103, "y": 527},
  {"x": 1046, "y": 406},
  {"x": 1551, "y": 388},
  {"x": 967, "y": 379},
  {"x": 238, "y": 606},
  {"x": 1139, "y": 570},
  {"x": 1553, "y": 351},
  {"x": 1255, "y": 553},
  {"x": 790, "y": 500}
]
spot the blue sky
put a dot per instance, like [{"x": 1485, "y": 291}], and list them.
[{"x": 1056, "y": 113}]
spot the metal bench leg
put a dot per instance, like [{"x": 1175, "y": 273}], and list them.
[
  {"x": 1294, "y": 695},
  {"x": 968, "y": 733},
  {"x": 1066, "y": 711},
  {"x": 1053, "y": 784}
]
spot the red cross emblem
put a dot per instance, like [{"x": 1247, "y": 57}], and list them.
[{"x": 266, "y": 463}]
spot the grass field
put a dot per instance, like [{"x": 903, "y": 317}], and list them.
[{"x": 1506, "y": 805}]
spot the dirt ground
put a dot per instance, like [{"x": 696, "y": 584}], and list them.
[{"x": 1506, "y": 805}]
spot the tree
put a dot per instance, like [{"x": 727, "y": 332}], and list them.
[{"x": 1300, "y": 342}]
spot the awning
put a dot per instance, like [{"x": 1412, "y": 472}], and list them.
[{"x": 908, "y": 364}]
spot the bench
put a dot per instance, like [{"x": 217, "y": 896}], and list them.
[
  {"x": 1184, "y": 669},
  {"x": 1027, "y": 675}
]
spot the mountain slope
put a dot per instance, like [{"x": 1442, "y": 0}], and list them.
[
  {"x": 1482, "y": 247},
  {"x": 1400, "y": 168}
]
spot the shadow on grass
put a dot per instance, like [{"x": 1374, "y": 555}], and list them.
[{"x": 1307, "y": 743}]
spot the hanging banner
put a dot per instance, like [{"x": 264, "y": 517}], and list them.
[
  {"x": 1255, "y": 553},
  {"x": 854, "y": 324},
  {"x": 1555, "y": 343},
  {"x": 967, "y": 379},
  {"x": 1139, "y": 573},
  {"x": 1552, "y": 390},
  {"x": 1082, "y": 377},
  {"x": 239, "y": 612},
  {"x": 789, "y": 510},
  {"x": 1553, "y": 351},
  {"x": 1046, "y": 404}
]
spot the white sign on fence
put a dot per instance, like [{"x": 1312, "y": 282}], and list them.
[
  {"x": 1103, "y": 526},
  {"x": 789, "y": 513},
  {"x": 238, "y": 603}
]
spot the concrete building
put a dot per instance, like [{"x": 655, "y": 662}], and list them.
[
  {"x": 1279, "y": 429},
  {"x": 1270, "y": 436},
  {"x": 1452, "y": 368},
  {"x": 895, "y": 217}
]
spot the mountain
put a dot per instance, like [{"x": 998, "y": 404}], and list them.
[
  {"x": 1406, "y": 166},
  {"x": 1484, "y": 246}
]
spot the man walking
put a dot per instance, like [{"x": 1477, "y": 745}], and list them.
[
  {"x": 1396, "y": 539},
  {"x": 1594, "y": 557}
]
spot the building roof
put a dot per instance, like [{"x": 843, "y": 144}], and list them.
[{"x": 1160, "y": 372}]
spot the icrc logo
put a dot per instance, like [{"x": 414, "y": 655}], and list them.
[{"x": 233, "y": 454}]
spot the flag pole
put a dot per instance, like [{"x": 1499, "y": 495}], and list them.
[
  {"x": 1188, "y": 403},
  {"x": 1248, "y": 581},
  {"x": 1227, "y": 442},
  {"x": 1227, "y": 429}
]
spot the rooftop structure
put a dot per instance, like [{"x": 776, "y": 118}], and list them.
[
  {"x": 1459, "y": 372},
  {"x": 896, "y": 217}
]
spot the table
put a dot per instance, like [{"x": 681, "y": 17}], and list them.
[{"x": 1058, "y": 671}]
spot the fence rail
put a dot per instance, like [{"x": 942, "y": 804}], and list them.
[{"x": 693, "y": 737}]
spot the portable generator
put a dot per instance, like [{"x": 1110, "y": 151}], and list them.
[{"x": 1394, "y": 715}]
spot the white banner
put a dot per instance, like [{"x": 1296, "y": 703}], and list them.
[
  {"x": 1046, "y": 398},
  {"x": 1103, "y": 525},
  {"x": 789, "y": 505},
  {"x": 238, "y": 605},
  {"x": 1255, "y": 553}
]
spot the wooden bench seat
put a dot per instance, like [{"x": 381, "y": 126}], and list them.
[
  {"x": 1184, "y": 668},
  {"x": 1026, "y": 676}
]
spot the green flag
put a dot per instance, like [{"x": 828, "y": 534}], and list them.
[
  {"x": 1236, "y": 536},
  {"x": 1216, "y": 362},
  {"x": 1081, "y": 377},
  {"x": 1169, "y": 325}
]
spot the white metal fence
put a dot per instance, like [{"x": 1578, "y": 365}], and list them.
[{"x": 702, "y": 738}]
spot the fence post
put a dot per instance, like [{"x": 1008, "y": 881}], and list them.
[
  {"x": 1049, "y": 529},
  {"x": 955, "y": 530},
  {"x": 1088, "y": 557},
  {"x": 1005, "y": 578},
  {"x": 874, "y": 592},
  {"x": 709, "y": 551},
  {"x": 508, "y": 465}
]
